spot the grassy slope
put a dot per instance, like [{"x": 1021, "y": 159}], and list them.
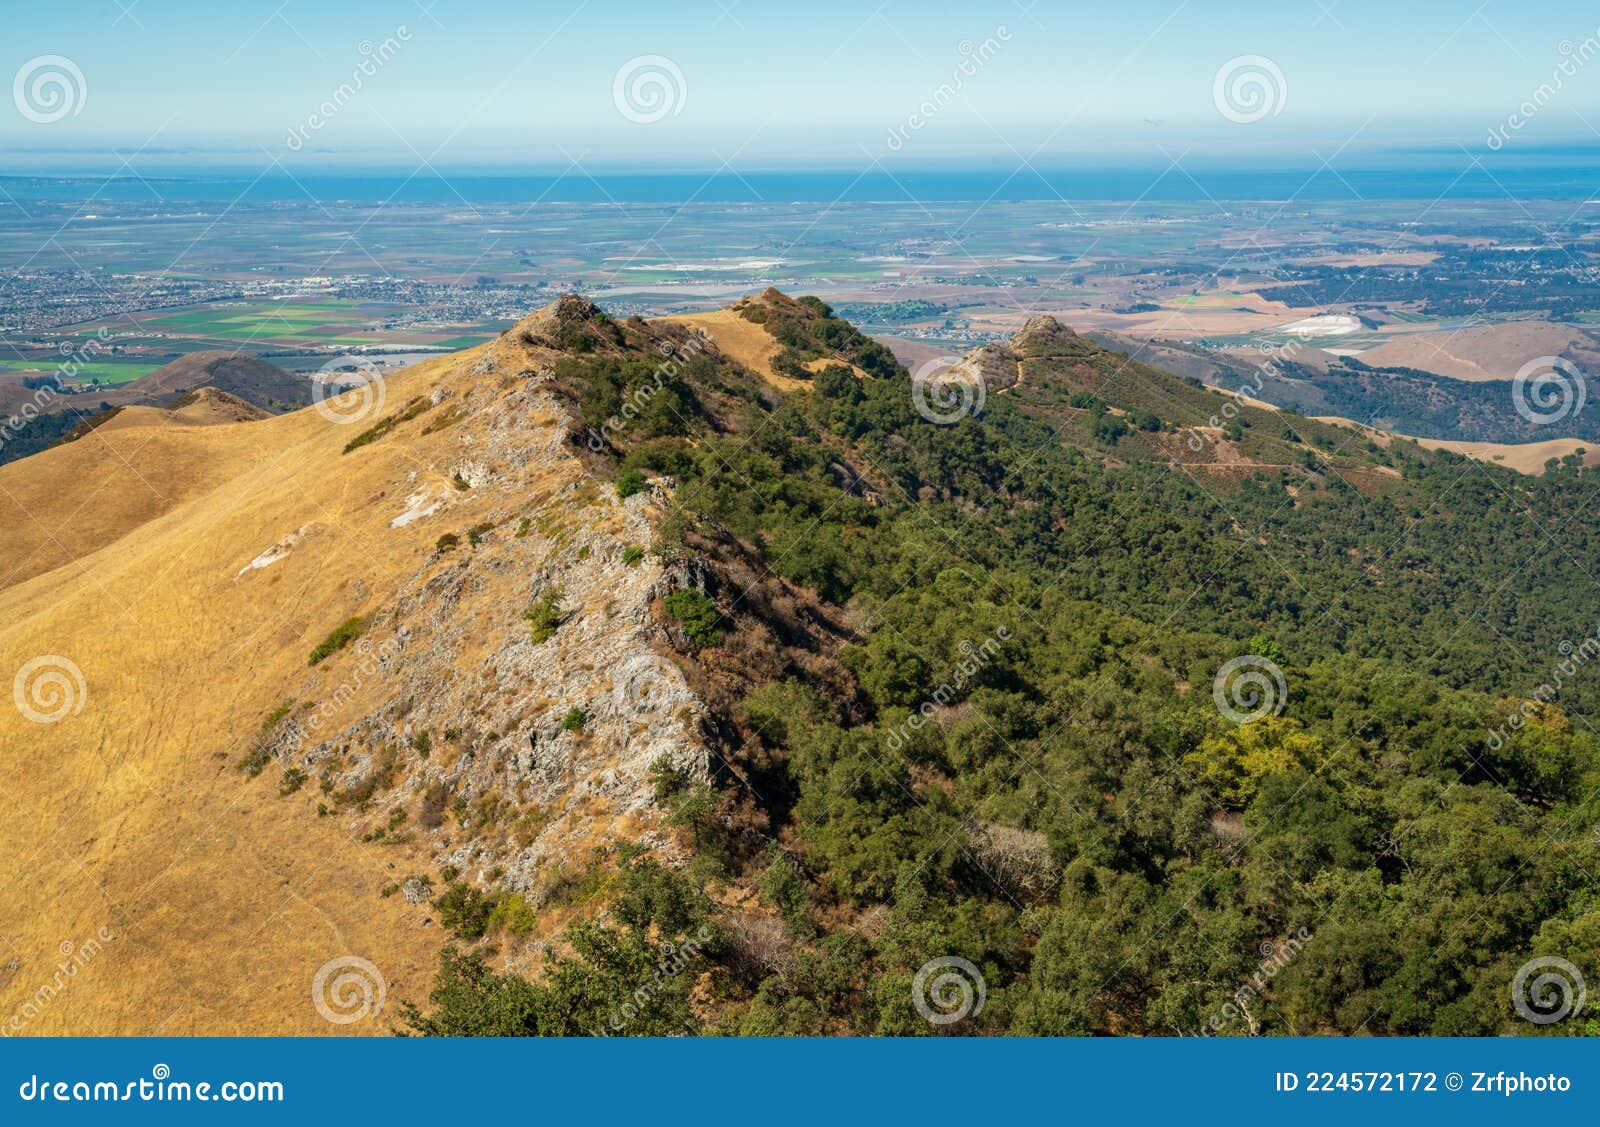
[{"x": 130, "y": 815}]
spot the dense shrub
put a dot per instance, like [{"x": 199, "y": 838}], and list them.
[
  {"x": 697, "y": 614},
  {"x": 544, "y": 616},
  {"x": 340, "y": 637}
]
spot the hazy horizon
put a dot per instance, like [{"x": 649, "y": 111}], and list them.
[{"x": 699, "y": 87}]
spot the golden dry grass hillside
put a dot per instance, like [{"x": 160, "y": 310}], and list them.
[
  {"x": 1482, "y": 352},
  {"x": 743, "y": 341},
  {"x": 1524, "y": 457},
  {"x": 64, "y": 503},
  {"x": 165, "y": 586}
]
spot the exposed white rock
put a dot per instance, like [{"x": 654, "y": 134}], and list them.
[
  {"x": 278, "y": 551},
  {"x": 417, "y": 507},
  {"x": 448, "y": 694}
]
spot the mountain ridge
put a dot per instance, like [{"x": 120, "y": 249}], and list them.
[{"x": 595, "y": 637}]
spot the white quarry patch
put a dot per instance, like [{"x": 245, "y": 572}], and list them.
[
  {"x": 416, "y": 508},
  {"x": 277, "y": 552},
  {"x": 1323, "y": 325}
]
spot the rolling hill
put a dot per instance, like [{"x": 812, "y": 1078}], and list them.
[
  {"x": 1482, "y": 352},
  {"x": 181, "y": 575},
  {"x": 51, "y": 416},
  {"x": 247, "y": 377}
]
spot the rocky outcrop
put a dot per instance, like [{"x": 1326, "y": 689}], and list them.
[
  {"x": 994, "y": 364},
  {"x": 998, "y": 367},
  {"x": 519, "y": 679},
  {"x": 1043, "y": 337},
  {"x": 554, "y": 326}
]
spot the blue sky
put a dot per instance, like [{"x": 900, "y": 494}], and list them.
[{"x": 501, "y": 86}]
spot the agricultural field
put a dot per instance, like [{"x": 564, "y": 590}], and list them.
[
  {"x": 274, "y": 323},
  {"x": 298, "y": 334},
  {"x": 108, "y": 373},
  {"x": 342, "y": 277},
  {"x": 287, "y": 324}
]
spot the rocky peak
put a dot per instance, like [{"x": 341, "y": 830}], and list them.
[
  {"x": 758, "y": 307},
  {"x": 1043, "y": 335},
  {"x": 212, "y": 404},
  {"x": 1000, "y": 366},
  {"x": 570, "y": 308},
  {"x": 1043, "y": 323},
  {"x": 550, "y": 324}
]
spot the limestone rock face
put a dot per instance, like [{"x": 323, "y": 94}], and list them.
[{"x": 538, "y": 740}]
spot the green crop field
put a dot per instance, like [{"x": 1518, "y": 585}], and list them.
[
  {"x": 111, "y": 371},
  {"x": 270, "y": 322},
  {"x": 106, "y": 371}
]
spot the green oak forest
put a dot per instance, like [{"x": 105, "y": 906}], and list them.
[{"x": 986, "y": 719}]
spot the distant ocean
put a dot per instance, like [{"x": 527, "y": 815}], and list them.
[{"x": 1454, "y": 175}]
